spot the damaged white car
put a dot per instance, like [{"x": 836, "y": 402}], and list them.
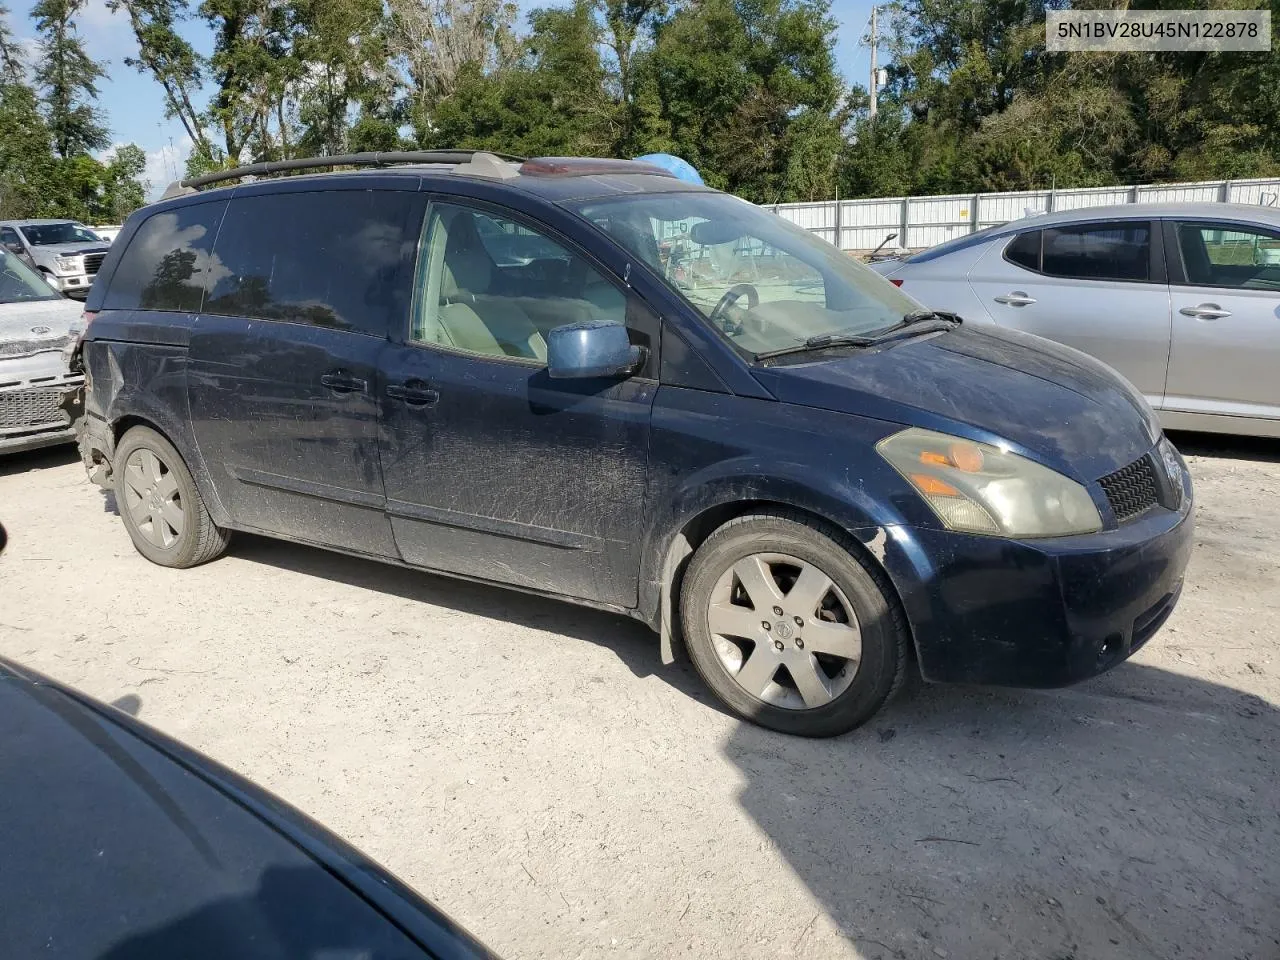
[{"x": 39, "y": 396}]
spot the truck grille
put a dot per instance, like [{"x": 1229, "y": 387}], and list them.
[
  {"x": 1132, "y": 490},
  {"x": 92, "y": 261},
  {"x": 31, "y": 409}
]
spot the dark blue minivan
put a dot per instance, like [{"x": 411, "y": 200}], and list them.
[{"x": 591, "y": 380}]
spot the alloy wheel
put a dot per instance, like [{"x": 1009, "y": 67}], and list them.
[
  {"x": 153, "y": 498},
  {"x": 784, "y": 631}
]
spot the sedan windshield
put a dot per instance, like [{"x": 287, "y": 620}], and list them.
[
  {"x": 761, "y": 281},
  {"x": 20, "y": 284},
  {"x": 43, "y": 234}
]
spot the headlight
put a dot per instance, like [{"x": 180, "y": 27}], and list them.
[
  {"x": 68, "y": 264},
  {"x": 978, "y": 488},
  {"x": 1173, "y": 469}
]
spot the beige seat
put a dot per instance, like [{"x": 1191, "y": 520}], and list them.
[{"x": 470, "y": 317}]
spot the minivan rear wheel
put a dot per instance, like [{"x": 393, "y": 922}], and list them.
[
  {"x": 160, "y": 505},
  {"x": 790, "y": 628}
]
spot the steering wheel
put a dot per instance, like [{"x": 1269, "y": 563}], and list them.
[{"x": 731, "y": 297}]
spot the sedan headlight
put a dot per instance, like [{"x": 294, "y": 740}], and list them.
[
  {"x": 68, "y": 264},
  {"x": 978, "y": 488}
]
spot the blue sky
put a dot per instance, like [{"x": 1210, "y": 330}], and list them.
[{"x": 135, "y": 109}]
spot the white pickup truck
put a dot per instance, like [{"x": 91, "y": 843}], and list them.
[{"x": 66, "y": 253}]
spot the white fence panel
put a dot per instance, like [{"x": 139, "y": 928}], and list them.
[
  {"x": 933, "y": 220},
  {"x": 1180, "y": 193},
  {"x": 1265, "y": 192},
  {"x": 865, "y": 223},
  {"x": 1079, "y": 199},
  {"x": 997, "y": 208},
  {"x": 923, "y": 222}
]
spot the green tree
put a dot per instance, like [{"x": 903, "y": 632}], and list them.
[
  {"x": 13, "y": 65},
  {"x": 67, "y": 77},
  {"x": 552, "y": 101},
  {"x": 26, "y": 153},
  {"x": 747, "y": 91},
  {"x": 171, "y": 61}
]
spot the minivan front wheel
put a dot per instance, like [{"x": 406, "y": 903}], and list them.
[
  {"x": 789, "y": 628},
  {"x": 160, "y": 505}
]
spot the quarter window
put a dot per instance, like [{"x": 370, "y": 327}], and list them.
[
  {"x": 490, "y": 286},
  {"x": 1119, "y": 251},
  {"x": 332, "y": 258},
  {"x": 1228, "y": 255},
  {"x": 168, "y": 260},
  {"x": 1025, "y": 250}
]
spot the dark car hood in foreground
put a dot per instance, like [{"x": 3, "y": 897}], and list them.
[
  {"x": 1076, "y": 413},
  {"x": 119, "y": 844}
]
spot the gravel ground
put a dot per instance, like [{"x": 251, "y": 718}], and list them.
[{"x": 533, "y": 769}]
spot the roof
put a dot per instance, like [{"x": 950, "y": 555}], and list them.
[
  {"x": 38, "y": 222},
  {"x": 1243, "y": 212},
  {"x": 1131, "y": 211},
  {"x": 556, "y": 179}
]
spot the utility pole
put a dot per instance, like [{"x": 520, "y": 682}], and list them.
[{"x": 875, "y": 73}]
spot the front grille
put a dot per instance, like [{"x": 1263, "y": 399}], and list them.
[
  {"x": 92, "y": 261},
  {"x": 1132, "y": 490},
  {"x": 31, "y": 409}
]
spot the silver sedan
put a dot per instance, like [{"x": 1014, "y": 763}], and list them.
[{"x": 1182, "y": 299}]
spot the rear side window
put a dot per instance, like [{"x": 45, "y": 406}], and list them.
[
  {"x": 165, "y": 265},
  {"x": 335, "y": 258},
  {"x": 1025, "y": 250},
  {"x": 1098, "y": 251}
]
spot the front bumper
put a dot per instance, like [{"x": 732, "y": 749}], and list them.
[
  {"x": 71, "y": 284},
  {"x": 1039, "y": 613}
]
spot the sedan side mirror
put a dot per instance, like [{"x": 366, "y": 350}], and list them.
[
  {"x": 593, "y": 348},
  {"x": 14, "y": 247}
]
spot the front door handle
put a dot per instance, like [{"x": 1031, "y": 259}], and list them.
[
  {"x": 1016, "y": 298},
  {"x": 1205, "y": 311},
  {"x": 416, "y": 393},
  {"x": 339, "y": 381}
]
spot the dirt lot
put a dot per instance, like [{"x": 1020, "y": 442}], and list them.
[{"x": 532, "y": 768}]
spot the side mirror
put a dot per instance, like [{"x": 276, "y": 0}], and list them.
[
  {"x": 14, "y": 247},
  {"x": 593, "y": 348}
]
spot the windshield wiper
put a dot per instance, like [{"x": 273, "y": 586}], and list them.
[
  {"x": 819, "y": 342},
  {"x": 939, "y": 320},
  {"x": 916, "y": 316}
]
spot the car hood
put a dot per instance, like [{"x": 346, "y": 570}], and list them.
[
  {"x": 1074, "y": 413},
  {"x": 36, "y": 326},
  {"x": 71, "y": 249}
]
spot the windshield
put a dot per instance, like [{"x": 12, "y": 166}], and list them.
[
  {"x": 764, "y": 283},
  {"x": 43, "y": 234},
  {"x": 20, "y": 284}
]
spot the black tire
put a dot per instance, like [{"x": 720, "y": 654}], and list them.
[
  {"x": 200, "y": 539},
  {"x": 884, "y": 637}
]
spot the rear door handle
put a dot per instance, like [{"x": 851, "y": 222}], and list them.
[
  {"x": 339, "y": 381},
  {"x": 416, "y": 393},
  {"x": 1016, "y": 298},
  {"x": 1205, "y": 311}
]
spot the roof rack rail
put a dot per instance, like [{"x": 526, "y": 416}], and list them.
[{"x": 370, "y": 159}]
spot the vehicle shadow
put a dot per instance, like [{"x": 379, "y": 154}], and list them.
[
  {"x": 1136, "y": 815},
  {"x": 12, "y": 464},
  {"x": 1224, "y": 447},
  {"x": 631, "y": 641},
  {"x": 294, "y": 911}
]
